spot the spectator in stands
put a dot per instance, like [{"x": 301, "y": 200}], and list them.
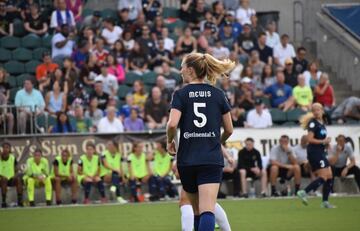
[
  {"x": 37, "y": 173},
  {"x": 257, "y": 66},
  {"x": 246, "y": 43},
  {"x": 99, "y": 93},
  {"x": 111, "y": 32},
  {"x": 219, "y": 12},
  {"x": 300, "y": 63},
  {"x": 63, "y": 124},
  {"x": 210, "y": 21},
  {"x": 134, "y": 123},
  {"x": 120, "y": 54},
  {"x": 256, "y": 28},
  {"x": 109, "y": 123},
  {"x": 231, "y": 20},
  {"x": 244, "y": 12},
  {"x": 229, "y": 90},
  {"x": 349, "y": 108},
  {"x": 291, "y": 78},
  {"x": 138, "y": 25},
  {"x": 4, "y": 85},
  {"x": 156, "y": 110},
  {"x": 272, "y": 37},
  {"x": 139, "y": 94},
  {"x": 115, "y": 69},
  {"x": 245, "y": 97},
  {"x": 24, "y": 7},
  {"x": 231, "y": 4},
  {"x": 62, "y": 44},
  {"x": 58, "y": 75},
  {"x": 6, "y": 21},
  {"x": 89, "y": 172},
  {"x": 35, "y": 23},
  {"x": 237, "y": 117},
  {"x": 93, "y": 112},
  {"x": 265, "y": 52},
  {"x": 128, "y": 41},
  {"x": 250, "y": 165},
  {"x": 283, "y": 50},
  {"x": 138, "y": 60},
  {"x": 324, "y": 93},
  {"x": 88, "y": 34},
  {"x": 29, "y": 101},
  {"x": 6, "y": 116},
  {"x": 226, "y": 35},
  {"x": 160, "y": 55},
  {"x": 55, "y": 100},
  {"x": 165, "y": 92},
  {"x": 219, "y": 51},
  {"x": 89, "y": 71},
  {"x": 301, "y": 157},
  {"x": 44, "y": 71},
  {"x": 76, "y": 7},
  {"x": 78, "y": 96},
  {"x": 93, "y": 22},
  {"x": 312, "y": 75},
  {"x": 152, "y": 8},
  {"x": 170, "y": 76},
  {"x": 197, "y": 14},
  {"x": 186, "y": 43},
  {"x": 9, "y": 176},
  {"x": 258, "y": 117},
  {"x": 267, "y": 78},
  {"x": 303, "y": 95},
  {"x": 109, "y": 81},
  {"x": 235, "y": 74},
  {"x": 62, "y": 173},
  {"x": 83, "y": 124},
  {"x": 70, "y": 73},
  {"x": 125, "y": 110},
  {"x": 81, "y": 54},
  {"x": 284, "y": 165},
  {"x": 230, "y": 172},
  {"x": 62, "y": 16},
  {"x": 185, "y": 9},
  {"x": 169, "y": 43},
  {"x": 134, "y": 7},
  {"x": 140, "y": 172},
  {"x": 99, "y": 51},
  {"x": 280, "y": 93},
  {"x": 343, "y": 161},
  {"x": 157, "y": 27}
]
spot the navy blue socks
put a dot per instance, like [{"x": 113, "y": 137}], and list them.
[
  {"x": 207, "y": 221},
  {"x": 314, "y": 185}
]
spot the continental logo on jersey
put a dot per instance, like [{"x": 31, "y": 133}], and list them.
[
  {"x": 199, "y": 94},
  {"x": 188, "y": 135}
]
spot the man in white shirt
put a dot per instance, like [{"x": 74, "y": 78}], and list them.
[
  {"x": 169, "y": 43},
  {"x": 272, "y": 37},
  {"x": 219, "y": 51},
  {"x": 244, "y": 13},
  {"x": 283, "y": 50},
  {"x": 62, "y": 44},
  {"x": 258, "y": 117},
  {"x": 110, "y": 124},
  {"x": 300, "y": 152},
  {"x": 111, "y": 33},
  {"x": 110, "y": 84},
  {"x": 61, "y": 16}
]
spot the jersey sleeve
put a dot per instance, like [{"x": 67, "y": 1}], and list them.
[
  {"x": 311, "y": 126},
  {"x": 225, "y": 105},
  {"x": 176, "y": 102}
]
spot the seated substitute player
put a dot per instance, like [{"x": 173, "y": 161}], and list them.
[
  {"x": 340, "y": 153},
  {"x": 111, "y": 169},
  {"x": 250, "y": 165},
  {"x": 140, "y": 172},
  {"x": 63, "y": 173},
  {"x": 162, "y": 164},
  {"x": 284, "y": 165},
  {"x": 8, "y": 176},
  {"x": 301, "y": 157},
  {"x": 37, "y": 175},
  {"x": 89, "y": 173}
]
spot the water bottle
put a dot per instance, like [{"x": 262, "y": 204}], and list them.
[{"x": 252, "y": 192}]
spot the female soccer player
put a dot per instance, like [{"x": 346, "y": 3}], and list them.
[
  {"x": 199, "y": 109},
  {"x": 314, "y": 123}
]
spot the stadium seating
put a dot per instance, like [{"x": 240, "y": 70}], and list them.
[
  {"x": 123, "y": 90},
  {"x": 30, "y": 67},
  {"x": 5, "y": 55},
  {"x": 149, "y": 78},
  {"x": 46, "y": 41},
  {"x": 170, "y": 12},
  {"x": 38, "y": 52},
  {"x": 10, "y": 42},
  {"x": 31, "y": 42},
  {"x": 294, "y": 115},
  {"x": 22, "y": 54},
  {"x": 14, "y": 67},
  {"x": 277, "y": 115},
  {"x": 131, "y": 77}
]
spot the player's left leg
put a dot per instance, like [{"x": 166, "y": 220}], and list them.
[
  {"x": 327, "y": 189},
  {"x": 187, "y": 212},
  {"x": 221, "y": 218},
  {"x": 48, "y": 190},
  {"x": 19, "y": 190},
  {"x": 4, "y": 183},
  {"x": 207, "y": 200},
  {"x": 263, "y": 179},
  {"x": 74, "y": 190},
  {"x": 101, "y": 188},
  {"x": 296, "y": 172}
]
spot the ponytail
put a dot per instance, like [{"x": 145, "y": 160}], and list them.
[{"x": 305, "y": 119}]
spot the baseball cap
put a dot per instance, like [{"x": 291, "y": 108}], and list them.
[{"x": 258, "y": 101}]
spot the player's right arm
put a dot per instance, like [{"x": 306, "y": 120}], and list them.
[
  {"x": 228, "y": 127},
  {"x": 171, "y": 127}
]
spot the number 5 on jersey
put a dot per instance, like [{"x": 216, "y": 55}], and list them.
[{"x": 200, "y": 115}]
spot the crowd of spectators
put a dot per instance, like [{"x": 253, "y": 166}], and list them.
[{"x": 106, "y": 65}]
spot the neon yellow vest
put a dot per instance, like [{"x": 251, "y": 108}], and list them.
[
  {"x": 7, "y": 167},
  {"x": 63, "y": 169},
  {"x": 138, "y": 165},
  {"x": 161, "y": 163},
  {"x": 113, "y": 162},
  {"x": 34, "y": 169},
  {"x": 90, "y": 167}
]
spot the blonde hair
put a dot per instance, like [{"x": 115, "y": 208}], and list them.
[
  {"x": 305, "y": 119},
  {"x": 206, "y": 66}
]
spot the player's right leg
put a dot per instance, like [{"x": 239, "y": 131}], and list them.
[
  {"x": 4, "y": 183},
  {"x": 187, "y": 212}
]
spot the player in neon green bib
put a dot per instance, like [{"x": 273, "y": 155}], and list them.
[
  {"x": 140, "y": 171},
  {"x": 111, "y": 169},
  {"x": 89, "y": 173},
  {"x": 162, "y": 165},
  {"x": 38, "y": 175},
  {"x": 8, "y": 176},
  {"x": 63, "y": 173}
]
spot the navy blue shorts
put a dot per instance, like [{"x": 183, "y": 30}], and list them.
[
  {"x": 318, "y": 160},
  {"x": 193, "y": 176}
]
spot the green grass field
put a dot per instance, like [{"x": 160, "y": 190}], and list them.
[{"x": 247, "y": 215}]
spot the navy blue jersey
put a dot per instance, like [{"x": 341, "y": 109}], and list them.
[
  {"x": 320, "y": 133},
  {"x": 202, "y": 107}
]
